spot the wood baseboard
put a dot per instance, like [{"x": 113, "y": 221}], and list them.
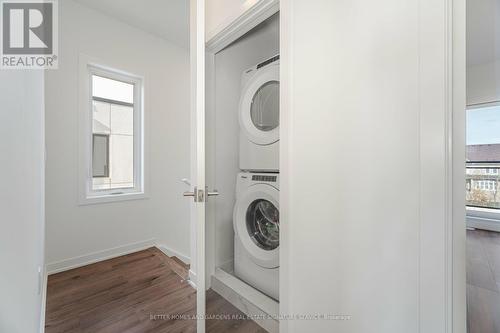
[{"x": 172, "y": 253}]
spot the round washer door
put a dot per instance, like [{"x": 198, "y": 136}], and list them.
[
  {"x": 259, "y": 106},
  {"x": 256, "y": 224}
]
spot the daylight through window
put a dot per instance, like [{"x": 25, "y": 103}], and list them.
[
  {"x": 483, "y": 157},
  {"x": 113, "y": 158}
]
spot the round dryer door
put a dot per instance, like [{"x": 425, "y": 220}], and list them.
[
  {"x": 260, "y": 108},
  {"x": 256, "y": 223}
]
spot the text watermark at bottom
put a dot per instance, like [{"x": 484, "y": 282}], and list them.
[{"x": 230, "y": 316}]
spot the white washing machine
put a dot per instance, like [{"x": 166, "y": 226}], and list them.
[
  {"x": 259, "y": 117},
  {"x": 256, "y": 226}
]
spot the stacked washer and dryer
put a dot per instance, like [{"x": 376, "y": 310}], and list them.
[{"x": 256, "y": 212}]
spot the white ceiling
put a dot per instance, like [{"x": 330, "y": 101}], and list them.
[
  {"x": 168, "y": 19},
  {"x": 483, "y": 31}
]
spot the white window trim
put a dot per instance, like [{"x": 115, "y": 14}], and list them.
[
  {"x": 483, "y": 218},
  {"x": 86, "y": 196}
]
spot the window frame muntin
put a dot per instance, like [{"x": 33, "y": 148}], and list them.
[{"x": 107, "y": 153}]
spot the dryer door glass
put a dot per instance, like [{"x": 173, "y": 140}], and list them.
[
  {"x": 262, "y": 221},
  {"x": 265, "y": 109}
]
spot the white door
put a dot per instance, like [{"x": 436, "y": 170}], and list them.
[
  {"x": 366, "y": 195},
  {"x": 199, "y": 192}
]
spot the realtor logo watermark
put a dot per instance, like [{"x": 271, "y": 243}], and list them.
[{"x": 29, "y": 34}]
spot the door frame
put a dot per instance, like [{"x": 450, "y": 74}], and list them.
[
  {"x": 202, "y": 215},
  {"x": 205, "y": 235},
  {"x": 197, "y": 210},
  {"x": 257, "y": 14},
  {"x": 457, "y": 52}
]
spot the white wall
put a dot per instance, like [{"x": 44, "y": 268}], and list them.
[
  {"x": 483, "y": 51},
  {"x": 74, "y": 230},
  {"x": 483, "y": 82},
  {"x": 258, "y": 45},
  {"x": 365, "y": 185},
  {"x": 21, "y": 200}
]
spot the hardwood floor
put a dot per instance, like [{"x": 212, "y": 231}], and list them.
[
  {"x": 144, "y": 291},
  {"x": 483, "y": 281}
]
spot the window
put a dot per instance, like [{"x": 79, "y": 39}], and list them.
[
  {"x": 112, "y": 131},
  {"x": 113, "y": 126},
  {"x": 492, "y": 171},
  {"x": 483, "y": 158}
]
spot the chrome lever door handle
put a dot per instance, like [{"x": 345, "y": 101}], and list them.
[
  {"x": 200, "y": 195},
  {"x": 213, "y": 193},
  {"x": 192, "y": 194}
]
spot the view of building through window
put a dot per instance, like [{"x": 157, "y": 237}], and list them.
[
  {"x": 483, "y": 157},
  {"x": 112, "y": 134}
]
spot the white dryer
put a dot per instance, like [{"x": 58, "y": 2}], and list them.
[
  {"x": 256, "y": 226},
  {"x": 259, "y": 117}
]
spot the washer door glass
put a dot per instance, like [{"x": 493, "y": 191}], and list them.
[
  {"x": 265, "y": 109},
  {"x": 262, "y": 221}
]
